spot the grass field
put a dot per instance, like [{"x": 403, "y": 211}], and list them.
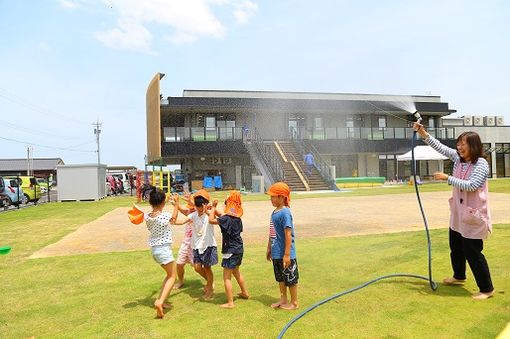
[{"x": 111, "y": 295}]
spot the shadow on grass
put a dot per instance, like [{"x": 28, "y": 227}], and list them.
[
  {"x": 264, "y": 299},
  {"x": 148, "y": 301},
  {"x": 193, "y": 288},
  {"x": 423, "y": 287}
]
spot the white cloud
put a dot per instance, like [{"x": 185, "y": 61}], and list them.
[
  {"x": 129, "y": 35},
  {"x": 244, "y": 10},
  {"x": 182, "y": 21},
  {"x": 70, "y": 3}
]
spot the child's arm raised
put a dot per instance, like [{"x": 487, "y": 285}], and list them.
[
  {"x": 213, "y": 213},
  {"x": 176, "y": 208}
]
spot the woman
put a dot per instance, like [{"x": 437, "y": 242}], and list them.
[{"x": 470, "y": 220}]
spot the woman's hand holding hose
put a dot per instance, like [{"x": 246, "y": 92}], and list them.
[{"x": 420, "y": 130}]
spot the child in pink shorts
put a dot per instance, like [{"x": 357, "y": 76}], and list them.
[{"x": 185, "y": 255}]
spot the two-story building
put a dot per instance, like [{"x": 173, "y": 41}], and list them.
[{"x": 236, "y": 134}]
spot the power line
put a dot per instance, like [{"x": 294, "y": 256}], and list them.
[
  {"x": 45, "y": 146},
  {"x": 23, "y": 102},
  {"x": 40, "y": 132}
]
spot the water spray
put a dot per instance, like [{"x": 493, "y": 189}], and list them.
[{"x": 432, "y": 284}]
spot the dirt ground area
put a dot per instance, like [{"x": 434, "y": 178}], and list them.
[{"x": 313, "y": 218}]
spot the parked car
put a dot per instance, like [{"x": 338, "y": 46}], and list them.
[
  {"x": 31, "y": 189},
  {"x": 108, "y": 188},
  {"x": 4, "y": 201},
  {"x": 11, "y": 193},
  {"x": 43, "y": 183},
  {"x": 113, "y": 185},
  {"x": 124, "y": 177}
]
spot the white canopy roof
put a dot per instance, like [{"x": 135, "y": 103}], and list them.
[{"x": 422, "y": 153}]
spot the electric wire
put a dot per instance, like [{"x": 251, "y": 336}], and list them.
[
  {"x": 50, "y": 147},
  {"x": 23, "y": 102},
  {"x": 39, "y": 132},
  {"x": 432, "y": 284}
]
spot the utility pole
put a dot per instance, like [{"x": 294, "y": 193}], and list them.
[
  {"x": 30, "y": 164},
  {"x": 97, "y": 131}
]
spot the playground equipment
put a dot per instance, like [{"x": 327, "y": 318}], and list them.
[{"x": 158, "y": 178}]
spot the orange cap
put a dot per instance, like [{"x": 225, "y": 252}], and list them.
[
  {"x": 280, "y": 189},
  {"x": 135, "y": 215},
  {"x": 202, "y": 193},
  {"x": 190, "y": 204},
  {"x": 233, "y": 204}
]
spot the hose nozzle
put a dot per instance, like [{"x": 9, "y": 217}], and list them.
[{"x": 417, "y": 116}]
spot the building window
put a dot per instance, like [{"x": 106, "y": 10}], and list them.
[
  {"x": 382, "y": 121},
  {"x": 432, "y": 123},
  {"x": 318, "y": 122}
]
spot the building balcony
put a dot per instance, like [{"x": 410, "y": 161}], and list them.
[{"x": 201, "y": 134}]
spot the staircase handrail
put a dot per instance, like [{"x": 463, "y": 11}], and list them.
[
  {"x": 320, "y": 164},
  {"x": 269, "y": 156}
]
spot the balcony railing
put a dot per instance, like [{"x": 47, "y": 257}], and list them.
[
  {"x": 180, "y": 134},
  {"x": 364, "y": 133}
]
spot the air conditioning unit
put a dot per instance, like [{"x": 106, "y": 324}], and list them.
[
  {"x": 489, "y": 121},
  {"x": 500, "y": 121},
  {"x": 478, "y": 120},
  {"x": 468, "y": 120}
]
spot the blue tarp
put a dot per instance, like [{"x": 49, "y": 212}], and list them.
[
  {"x": 218, "y": 183},
  {"x": 208, "y": 182}
]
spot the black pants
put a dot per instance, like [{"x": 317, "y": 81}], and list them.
[{"x": 462, "y": 249}]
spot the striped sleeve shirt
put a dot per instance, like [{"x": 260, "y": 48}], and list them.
[
  {"x": 478, "y": 175},
  {"x": 272, "y": 232}
]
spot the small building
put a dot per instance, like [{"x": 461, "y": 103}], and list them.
[{"x": 81, "y": 182}]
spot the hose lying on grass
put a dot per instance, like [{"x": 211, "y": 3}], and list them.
[{"x": 432, "y": 284}]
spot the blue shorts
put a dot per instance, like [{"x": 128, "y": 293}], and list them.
[
  {"x": 234, "y": 261},
  {"x": 208, "y": 258},
  {"x": 162, "y": 254}
]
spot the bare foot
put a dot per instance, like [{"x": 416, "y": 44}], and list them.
[
  {"x": 167, "y": 306},
  {"x": 277, "y": 304},
  {"x": 208, "y": 296},
  {"x": 227, "y": 305},
  {"x": 288, "y": 307},
  {"x": 158, "y": 305},
  {"x": 243, "y": 296},
  {"x": 178, "y": 285}
]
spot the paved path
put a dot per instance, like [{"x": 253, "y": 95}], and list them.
[{"x": 313, "y": 217}]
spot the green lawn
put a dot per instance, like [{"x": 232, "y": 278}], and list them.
[{"x": 111, "y": 295}]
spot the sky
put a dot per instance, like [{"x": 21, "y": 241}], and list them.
[{"x": 66, "y": 64}]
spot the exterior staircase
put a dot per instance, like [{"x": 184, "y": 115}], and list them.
[{"x": 294, "y": 169}]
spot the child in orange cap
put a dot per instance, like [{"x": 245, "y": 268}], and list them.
[
  {"x": 160, "y": 241},
  {"x": 205, "y": 254},
  {"x": 281, "y": 248},
  {"x": 232, "y": 244},
  {"x": 185, "y": 255}
]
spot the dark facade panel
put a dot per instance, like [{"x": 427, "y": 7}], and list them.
[
  {"x": 170, "y": 149},
  {"x": 203, "y": 104}
]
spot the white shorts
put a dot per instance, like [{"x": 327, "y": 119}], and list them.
[{"x": 185, "y": 255}]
